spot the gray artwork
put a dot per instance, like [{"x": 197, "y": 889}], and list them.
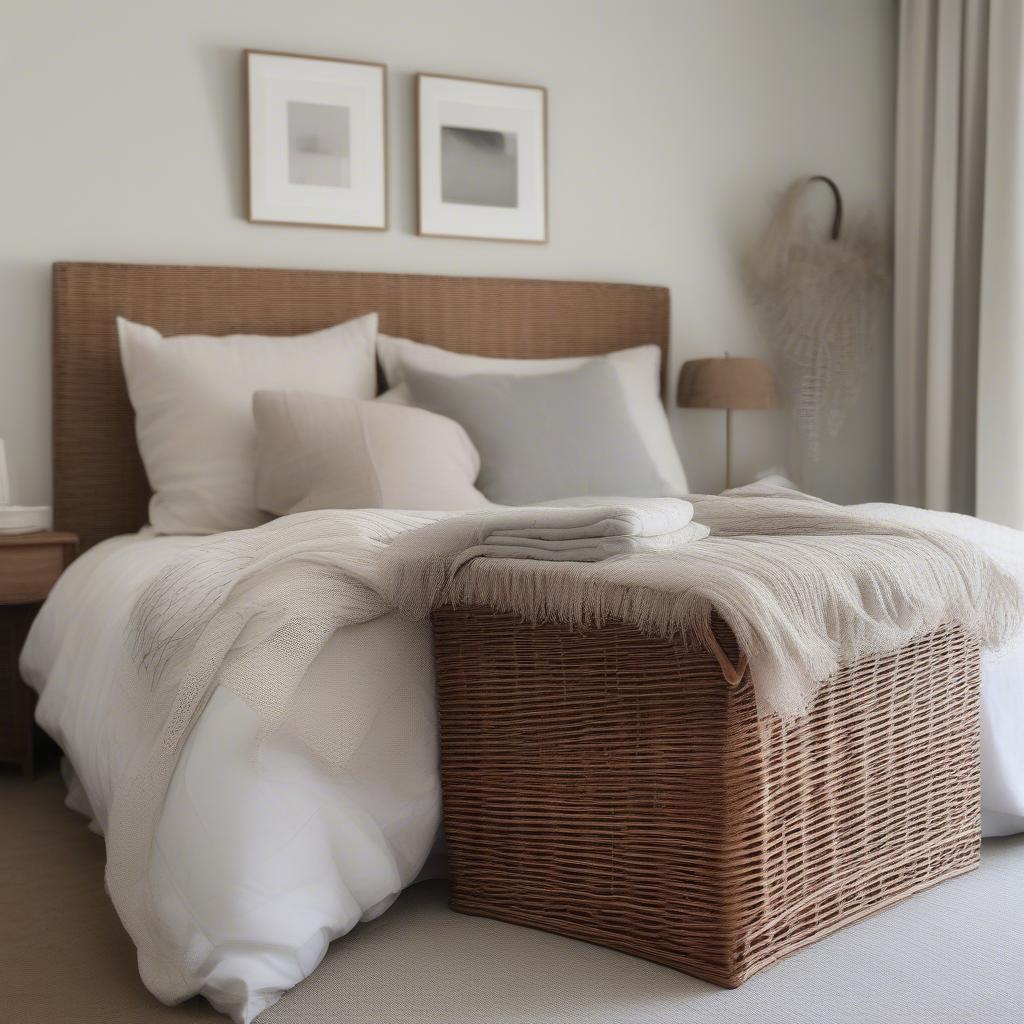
[
  {"x": 479, "y": 167},
  {"x": 319, "y": 145}
]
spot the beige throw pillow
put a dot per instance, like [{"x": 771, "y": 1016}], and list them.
[
  {"x": 192, "y": 396},
  {"x": 318, "y": 451}
]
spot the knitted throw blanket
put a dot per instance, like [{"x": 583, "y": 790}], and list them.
[{"x": 805, "y": 586}]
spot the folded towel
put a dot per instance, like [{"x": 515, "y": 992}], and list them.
[
  {"x": 578, "y": 533},
  {"x": 506, "y": 544},
  {"x": 590, "y": 534}
]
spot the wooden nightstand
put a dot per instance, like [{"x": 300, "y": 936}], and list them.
[{"x": 29, "y": 566}]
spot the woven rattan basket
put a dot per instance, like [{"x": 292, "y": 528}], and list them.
[{"x": 613, "y": 787}]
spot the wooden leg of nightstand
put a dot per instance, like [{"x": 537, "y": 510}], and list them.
[
  {"x": 39, "y": 751},
  {"x": 17, "y": 701}
]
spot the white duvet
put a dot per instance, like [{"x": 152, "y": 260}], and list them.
[
  {"x": 262, "y": 860},
  {"x": 1002, "y": 703}
]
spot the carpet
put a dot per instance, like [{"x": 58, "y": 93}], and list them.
[{"x": 951, "y": 955}]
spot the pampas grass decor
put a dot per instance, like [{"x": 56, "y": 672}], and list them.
[{"x": 817, "y": 298}]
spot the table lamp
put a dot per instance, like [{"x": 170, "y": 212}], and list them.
[{"x": 726, "y": 383}]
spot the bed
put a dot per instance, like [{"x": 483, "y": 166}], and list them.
[
  {"x": 250, "y": 864},
  {"x": 263, "y": 857}
]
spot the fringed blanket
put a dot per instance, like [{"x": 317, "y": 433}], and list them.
[{"x": 806, "y": 586}]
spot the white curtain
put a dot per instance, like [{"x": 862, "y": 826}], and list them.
[{"x": 959, "y": 259}]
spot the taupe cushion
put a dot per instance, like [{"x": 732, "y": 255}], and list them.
[
  {"x": 548, "y": 436},
  {"x": 321, "y": 451},
  {"x": 192, "y": 396}
]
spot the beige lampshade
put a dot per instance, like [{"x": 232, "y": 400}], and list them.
[{"x": 726, "y": 383}]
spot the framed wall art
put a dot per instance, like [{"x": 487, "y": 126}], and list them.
[
  {"x": 482, "y": 159},
  {"x": 317, "y": 141}
]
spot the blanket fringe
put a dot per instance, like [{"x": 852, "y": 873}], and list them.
[{"x": 806, "y": 588}]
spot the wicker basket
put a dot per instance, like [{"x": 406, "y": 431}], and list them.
[{"x": 611, "y": 787}]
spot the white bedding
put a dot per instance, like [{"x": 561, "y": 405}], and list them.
[
  {"x": 261, "y": 861},
  {"x": 1002, "y": 703},
  {"x": 260, "y": 864}
]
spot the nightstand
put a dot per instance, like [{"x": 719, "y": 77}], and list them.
[{"x": 29, "y": 566}]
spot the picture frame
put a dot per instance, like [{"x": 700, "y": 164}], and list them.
[
  {"x": 482, "y": 163},
  {"x": 317, "y": 141}
]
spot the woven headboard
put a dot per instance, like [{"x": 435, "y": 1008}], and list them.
[{"x": 100, "y": 488}]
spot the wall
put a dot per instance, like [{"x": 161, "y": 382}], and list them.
[{"x": 671, "y": 126}]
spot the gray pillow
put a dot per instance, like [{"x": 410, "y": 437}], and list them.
[{"x": 544, "y": 437}]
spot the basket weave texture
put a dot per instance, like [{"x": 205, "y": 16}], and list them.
[{"x": 610, "y": 786}]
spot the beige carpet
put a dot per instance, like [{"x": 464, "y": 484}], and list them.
[{"x": 952, "y": 955}]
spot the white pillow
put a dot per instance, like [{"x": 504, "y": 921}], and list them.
[
  {"x": 192, "y": 397},
  {"x": 321, "y": 451},
  {"x": 638, "y": 370}
]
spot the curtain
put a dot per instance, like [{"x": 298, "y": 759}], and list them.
[{"x": 959, "y": 259}]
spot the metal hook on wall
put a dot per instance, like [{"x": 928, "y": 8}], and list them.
[{"x": 837, "y": 221}]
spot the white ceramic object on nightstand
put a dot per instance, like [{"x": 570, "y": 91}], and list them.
[
  {"x": 19, "y": 518},
  {"x": 25, "y": 518}
]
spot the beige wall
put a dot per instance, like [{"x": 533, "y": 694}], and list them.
[{"x": 671, "y": 125}]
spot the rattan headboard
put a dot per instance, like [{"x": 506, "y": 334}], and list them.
[{"x": 100, "y": 488}]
